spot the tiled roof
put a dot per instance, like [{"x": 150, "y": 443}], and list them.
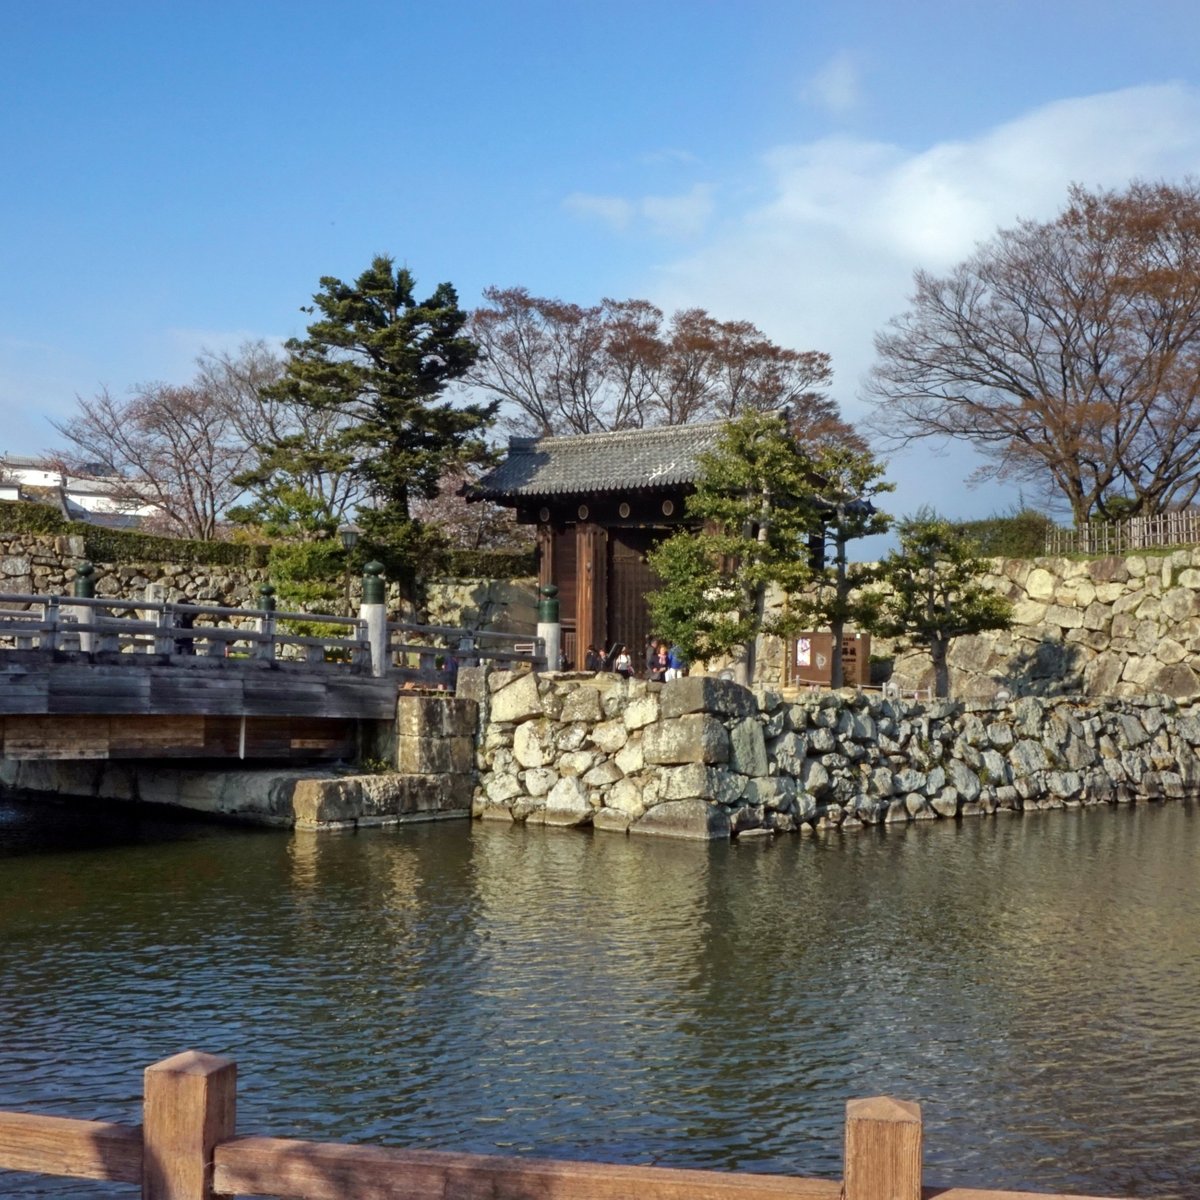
[{"x": 631, "y": 459}]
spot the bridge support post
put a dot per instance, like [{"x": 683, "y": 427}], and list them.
[{"x": 374, "y": 614}]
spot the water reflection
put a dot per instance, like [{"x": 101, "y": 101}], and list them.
[{"x": 1033, "y": 981}]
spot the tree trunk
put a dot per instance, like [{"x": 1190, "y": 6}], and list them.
[
  {"x": 836, "y": 628},
  {"x": 941, "y": 670}
]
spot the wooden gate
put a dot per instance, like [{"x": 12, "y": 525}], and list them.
[{"x": 629, "y": 582}]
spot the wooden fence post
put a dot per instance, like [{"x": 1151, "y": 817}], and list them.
[
  {"x": 883, "y": 1150},
  {"x": 188, "y": 1107}
]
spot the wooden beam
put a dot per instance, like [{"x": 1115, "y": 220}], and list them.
[
  {"x": 188, "y": 1107},
  {"x": 262, "y": 1166},
  {"x": 883, "y": 1149},
  {"x": 76, "y": 1149},
  {"x": 935, "y": 1193}
]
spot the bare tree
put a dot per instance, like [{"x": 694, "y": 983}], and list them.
[
  {"x": 1067, "y": 352},
  {"x": 563, "y": 368},
  {"x": 544, "y": 358},
  {"x": 296, "y": 481},
  {"x": 176, "y": 448}
]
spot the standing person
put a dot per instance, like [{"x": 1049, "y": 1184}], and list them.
[
  {"x": 676, "y": 663},
  {"x": 593, "y": 660},
  {"x": 657, "y": 667},
  {"x": 651, "y": 651},
  {"x": 622, "y": 663}
]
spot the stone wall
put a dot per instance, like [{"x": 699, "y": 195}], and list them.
[
  {"x": 1100, "y": 627},
  {"x": 507, "y": 606},
  {"x": 44, "y": 564},
  {"x": 705, "y": 758}
]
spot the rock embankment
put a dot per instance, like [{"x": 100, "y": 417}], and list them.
[
  {"x": 1120, "y": 626},
  {"x": 705, "y": 758}
]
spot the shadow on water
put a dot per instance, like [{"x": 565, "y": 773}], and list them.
[{"x": 1033, "y": 981}]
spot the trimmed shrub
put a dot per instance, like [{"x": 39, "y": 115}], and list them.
[{"x": 1019, "y": 535}]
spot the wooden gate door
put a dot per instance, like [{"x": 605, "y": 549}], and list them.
[{"x": 629, "y": 581}]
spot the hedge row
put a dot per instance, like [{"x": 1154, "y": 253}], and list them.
[
  {"x": 489, "y": 564},
  {"x": 102, "y": 544},
  {"x": 305, "y": 561},
  {"x": 1021, "y": 535}
]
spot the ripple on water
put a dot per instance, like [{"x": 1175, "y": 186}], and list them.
[{"x": 1034, "y": 982}]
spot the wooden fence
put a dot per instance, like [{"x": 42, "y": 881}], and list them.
[
  {"x": 1119, "y": 537},
  {"x": 186, "y": 1149}
]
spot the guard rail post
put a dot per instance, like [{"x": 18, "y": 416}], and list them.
[
  {"x": 374, "y": 613},
  {"x": 549, "y": 631}
]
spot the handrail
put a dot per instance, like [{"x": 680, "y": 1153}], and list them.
[
  {"x": 186, "y": 1149},
  {"x": 152, "y": 625}
]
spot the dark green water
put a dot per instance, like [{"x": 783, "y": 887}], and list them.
[{"x": 1033, "y": 981}]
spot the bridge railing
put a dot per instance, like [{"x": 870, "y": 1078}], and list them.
[
  {"x": 438, "y": 650},
  {"x": 166, "y": 628},
  {"x": 186, "y": 1149},
  {"x": 425, "y": 654}
]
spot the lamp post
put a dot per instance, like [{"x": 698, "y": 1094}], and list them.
[{"x": 349, "y": 534}]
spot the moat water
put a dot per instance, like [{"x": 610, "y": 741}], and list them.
[{"x": 1034, "y": 982}]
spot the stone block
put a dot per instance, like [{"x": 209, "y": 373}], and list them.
[
  {"x": 626, "y": 797},
  {"x": 582, "y": 704},
  {"x": 791, "y": 751},
  {"x": 611, "y": 820},
  {"x": 630, "y": 757},
  {"x": 426, "y": 756},
  {"x": 518, "y": 700},
  {"x": 602, "y": 774},
  {"x": 695, "y": 737},
  {"x": 1040, "y": 585},
  {"x": 1178, "y": 680},
  {"x": 697, "y": 781},
  {"x": 577, "y": 762},
  {"x": 471, "y": 684},
  {"x": 530, "y": 747},
  {"x": 640, "y": 712},
  {"x": 777, "y": 793},
  {"x": 539, "y": 781},
  {"x": 748, "y": 748},
  {"x": 609, "y": 736},
  {"x": 436, "y": 716},
  {"x": 963, "y": 780},
  {"x": 702, "y": 694},
  {"x": 566, "y": 804},
  {"x": 317, "y": 802},
  {"x": 502, "y": 788},
  {"x": 692, "y": 820},
  {"x": 945, "y": 803}
]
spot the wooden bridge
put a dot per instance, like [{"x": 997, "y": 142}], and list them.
[{"x": 85, "y": 678}]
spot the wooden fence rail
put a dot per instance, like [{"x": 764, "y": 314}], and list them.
[
  {"x": 186, "y": 1149},
  {"x": 1120, "y": 537},
  {"x": 419, "y": 653}
]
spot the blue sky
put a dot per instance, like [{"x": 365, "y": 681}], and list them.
[{"x": 179, "y": 175}]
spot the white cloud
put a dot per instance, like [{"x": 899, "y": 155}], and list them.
[
  {"x": 828, "y": 257},
  {"x": 837, "y": 86},
  {"x": 609, "y": 210},
  {"x": 681, "y": 216},
  {"x": 685, "y": 215}
]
